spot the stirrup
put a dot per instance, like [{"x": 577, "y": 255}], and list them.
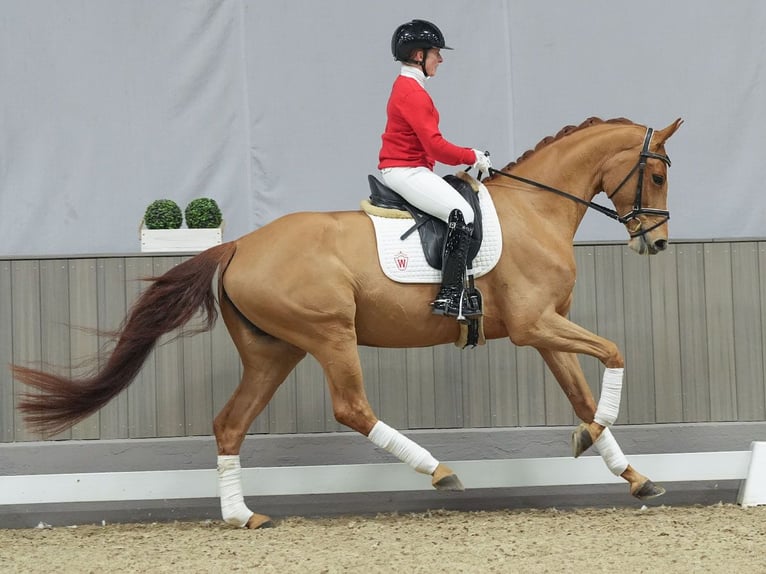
[{"x": 461, "y": 306}]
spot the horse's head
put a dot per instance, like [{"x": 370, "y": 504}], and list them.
[{"x": 636, "y": 182}]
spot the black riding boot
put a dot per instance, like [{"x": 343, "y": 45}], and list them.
[{"x": 450, "y": 300}]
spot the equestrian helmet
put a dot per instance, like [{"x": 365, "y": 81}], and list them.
[{"x": 414, "y": 35}]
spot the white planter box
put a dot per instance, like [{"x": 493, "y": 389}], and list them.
[{"x": 179, "y": 240}]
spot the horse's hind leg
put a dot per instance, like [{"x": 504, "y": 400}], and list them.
[
  {"x": 566, "y": 368},
  {"x": 342, "y": 367},
  {"x": 266, "y": 363}
]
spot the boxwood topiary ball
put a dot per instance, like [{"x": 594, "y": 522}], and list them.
[
  {"x": 163, "y": 214},
  {"x": 203, "y": 213}
]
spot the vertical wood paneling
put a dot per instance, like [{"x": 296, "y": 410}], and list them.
[
  {"x": 421, "y": 399},
  {"x": 168, "y": 369},
  {"x": 666, "y": 337},
  {"x": 720, "y": 333},
  {"x": 54, "y": 320},
  {"x": 393, "y": 387},
  {"x": 111, "y": 313},
  {"x": 639, "y": 360},
  {"x": 448, "y": 387},
  {"x": 142, "y": 393},
  {"x": 503, "y": 383},
  {"x": 476, "y": 388},
  {"x": 689, "y": 321},
  {"x": 83, "y": 341},
  {"x": 7, "y": 411},
  {"x": 692, "y": 323},
  {"x": 748, "y": 349},
  {"x": 27, "y": 351},
  {"x": 198, "y": 384}
]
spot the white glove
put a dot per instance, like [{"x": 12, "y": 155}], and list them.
[{"x": 482, "y": 162}]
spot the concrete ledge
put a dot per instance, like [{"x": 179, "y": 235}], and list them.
[{"x": 58, "y": 457}]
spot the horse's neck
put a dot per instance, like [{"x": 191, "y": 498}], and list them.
[{"x": 573, "y": 166}]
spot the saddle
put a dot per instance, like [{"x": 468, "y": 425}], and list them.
[{"x": 432, "y": 230}]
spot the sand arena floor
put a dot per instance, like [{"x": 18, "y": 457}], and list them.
[{"x": 720, "y": 538}]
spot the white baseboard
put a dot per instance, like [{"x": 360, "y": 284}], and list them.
[{"x": 749, "y": 466}]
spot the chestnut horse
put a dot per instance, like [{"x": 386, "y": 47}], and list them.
[{"x": 312, "y": 283}]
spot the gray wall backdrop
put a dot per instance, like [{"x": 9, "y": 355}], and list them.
[
  {"x": 273, "y": 107},
  {"x": 691, "y": 323}
]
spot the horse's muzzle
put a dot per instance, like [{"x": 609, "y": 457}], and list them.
[{"x": 644, "y": 245}]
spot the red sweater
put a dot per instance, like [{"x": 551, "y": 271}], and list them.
[{"x": 412, "y": 137}]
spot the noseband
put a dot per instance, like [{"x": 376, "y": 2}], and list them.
[{"x": 637, "y": 207}]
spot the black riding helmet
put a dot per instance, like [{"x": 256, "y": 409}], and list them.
[{"x": 414, "y": 35}]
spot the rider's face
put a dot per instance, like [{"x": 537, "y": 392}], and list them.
[{"x": 433, "y": 58}]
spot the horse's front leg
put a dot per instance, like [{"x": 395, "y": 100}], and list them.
[
  {"x": 566, "y": 368},
  {"x": 352, "y": 409},
  {"x": 558, "y": 340}
]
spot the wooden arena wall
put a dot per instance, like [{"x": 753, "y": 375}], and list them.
[{"x": 690, "y": 322}]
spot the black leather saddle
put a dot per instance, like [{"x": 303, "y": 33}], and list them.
[{"x": 433, "y": 231}]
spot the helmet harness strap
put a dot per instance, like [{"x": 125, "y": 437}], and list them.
[{"x": 421, "y": 63}]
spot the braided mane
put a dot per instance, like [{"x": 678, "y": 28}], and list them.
[{"x": 565, "y": 131}]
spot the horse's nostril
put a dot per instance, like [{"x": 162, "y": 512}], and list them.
[{"x": 661, "y": 244}]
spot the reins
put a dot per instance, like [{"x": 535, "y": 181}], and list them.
[
  {"x": 592, "y": 204},
  {"x": 609, "y": 212}
]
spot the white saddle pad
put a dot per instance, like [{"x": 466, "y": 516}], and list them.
[{"x": 404, "y": 261}]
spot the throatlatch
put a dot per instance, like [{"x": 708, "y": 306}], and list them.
[{"x": 458, "y": 297}]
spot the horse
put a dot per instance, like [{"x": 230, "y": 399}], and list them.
[{"x": 311, "y": 283}]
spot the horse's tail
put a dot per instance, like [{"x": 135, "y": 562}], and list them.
[{"x": 170, "y": 302}]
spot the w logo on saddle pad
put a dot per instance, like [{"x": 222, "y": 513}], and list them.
[
  {"x": 401, "y": 259},
  {"x": 401, "y": 252}
]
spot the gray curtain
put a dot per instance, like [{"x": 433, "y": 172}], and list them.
[{"x": 274, "y": 107}]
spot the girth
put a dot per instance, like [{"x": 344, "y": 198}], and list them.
[{"x": 432, "y": 230}]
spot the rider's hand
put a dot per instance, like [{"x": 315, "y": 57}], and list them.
[{"x": 482, "y": 162}]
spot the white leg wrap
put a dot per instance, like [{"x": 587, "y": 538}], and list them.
[
  {"x": 403, "y": 448},
  {"x": 609, "y": 401},
  {"x": 611, "y": 452},
  {"x": 233, "y": 507}
]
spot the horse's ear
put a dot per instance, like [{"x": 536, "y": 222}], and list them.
[{"x": 662, "y": 136}]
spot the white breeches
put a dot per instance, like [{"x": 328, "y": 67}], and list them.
[{"x": 426, "y": 191}]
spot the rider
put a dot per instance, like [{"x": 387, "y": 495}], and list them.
[{"x": 412, "y": 143}]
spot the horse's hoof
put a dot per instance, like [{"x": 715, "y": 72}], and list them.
[
  {"x": 259, "y": 521},
  {"x": 445, "y": 479},
  {"x": 451, "y": 482},
  {"x": 648, "y": 490},
  {"x": 581, "y": 440}
]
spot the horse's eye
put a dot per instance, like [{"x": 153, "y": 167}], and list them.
[{"x": 658, "y": 179}]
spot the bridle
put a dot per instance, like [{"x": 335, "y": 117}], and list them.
[{"x": 637, "y": 210}]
